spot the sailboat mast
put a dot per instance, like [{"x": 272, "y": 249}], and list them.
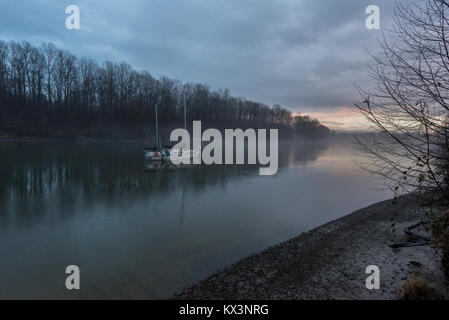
[
  {"x": 185, "y": 113},
  {"x": 157, "y": 129}
]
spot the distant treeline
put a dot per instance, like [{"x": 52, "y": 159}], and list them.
[{"x": 49, "y": 92}]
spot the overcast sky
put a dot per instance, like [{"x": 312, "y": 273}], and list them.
[{"x": 303, "y": 54}]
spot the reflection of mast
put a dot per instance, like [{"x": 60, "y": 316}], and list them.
[
  {"x": 158, "y": 146},
  {"x": 181, "y": 216}
]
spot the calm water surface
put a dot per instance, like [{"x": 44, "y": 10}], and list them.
[{"x": 138, "y": 232}]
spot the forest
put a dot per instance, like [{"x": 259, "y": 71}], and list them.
[{"x": 49, "y": 92}]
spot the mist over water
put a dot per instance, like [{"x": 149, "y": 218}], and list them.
[{"x": 139, "y": 231}]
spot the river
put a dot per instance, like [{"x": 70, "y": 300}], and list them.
[{"x": 141, "y": 232}]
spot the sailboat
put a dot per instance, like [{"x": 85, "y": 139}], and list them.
[{"x": 159, "y": 152}]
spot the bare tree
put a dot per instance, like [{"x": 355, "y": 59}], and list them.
[
  {"x": 409, "y": 107},
  {"x": 48, "y": 91},
  {"x": 4, "y": 70},
  {"x": 49, "y": 52}
]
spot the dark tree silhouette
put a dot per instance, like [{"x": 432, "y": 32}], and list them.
[
  {"x": 410, "y": 111},
  {"x": 49, "y": 92},
  {"x": 410, "y": 105}
]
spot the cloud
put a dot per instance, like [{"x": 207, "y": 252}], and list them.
[
  {"x": 342, "y": 119},
  {"x": 305, "y": 55}
]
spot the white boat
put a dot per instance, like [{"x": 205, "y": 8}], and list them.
[
  {"x": 184, "y": 154},
  {"x": 157, "y": 152},
  {"x": 162, "y": 152}
]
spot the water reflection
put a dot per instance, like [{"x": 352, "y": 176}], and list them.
[
  {"x": 64, "y": 170},
  {"x": 139, "y": 233}
]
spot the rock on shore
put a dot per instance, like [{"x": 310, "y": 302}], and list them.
[{"x": 330, "y": 261}]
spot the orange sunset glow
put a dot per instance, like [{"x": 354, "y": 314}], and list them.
[{"x": 342, "y": 119}]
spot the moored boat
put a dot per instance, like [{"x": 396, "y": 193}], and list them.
[{"x": 157, "y": 153}]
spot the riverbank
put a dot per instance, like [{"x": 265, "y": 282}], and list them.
[
  {"x": 329, "y": 262},
  {"x": 79, "y": 139}
]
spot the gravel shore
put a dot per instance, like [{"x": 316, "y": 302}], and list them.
[{"x": 329, "y": 262}]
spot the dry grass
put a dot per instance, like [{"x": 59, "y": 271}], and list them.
[{"x": 417, "y": 289}]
